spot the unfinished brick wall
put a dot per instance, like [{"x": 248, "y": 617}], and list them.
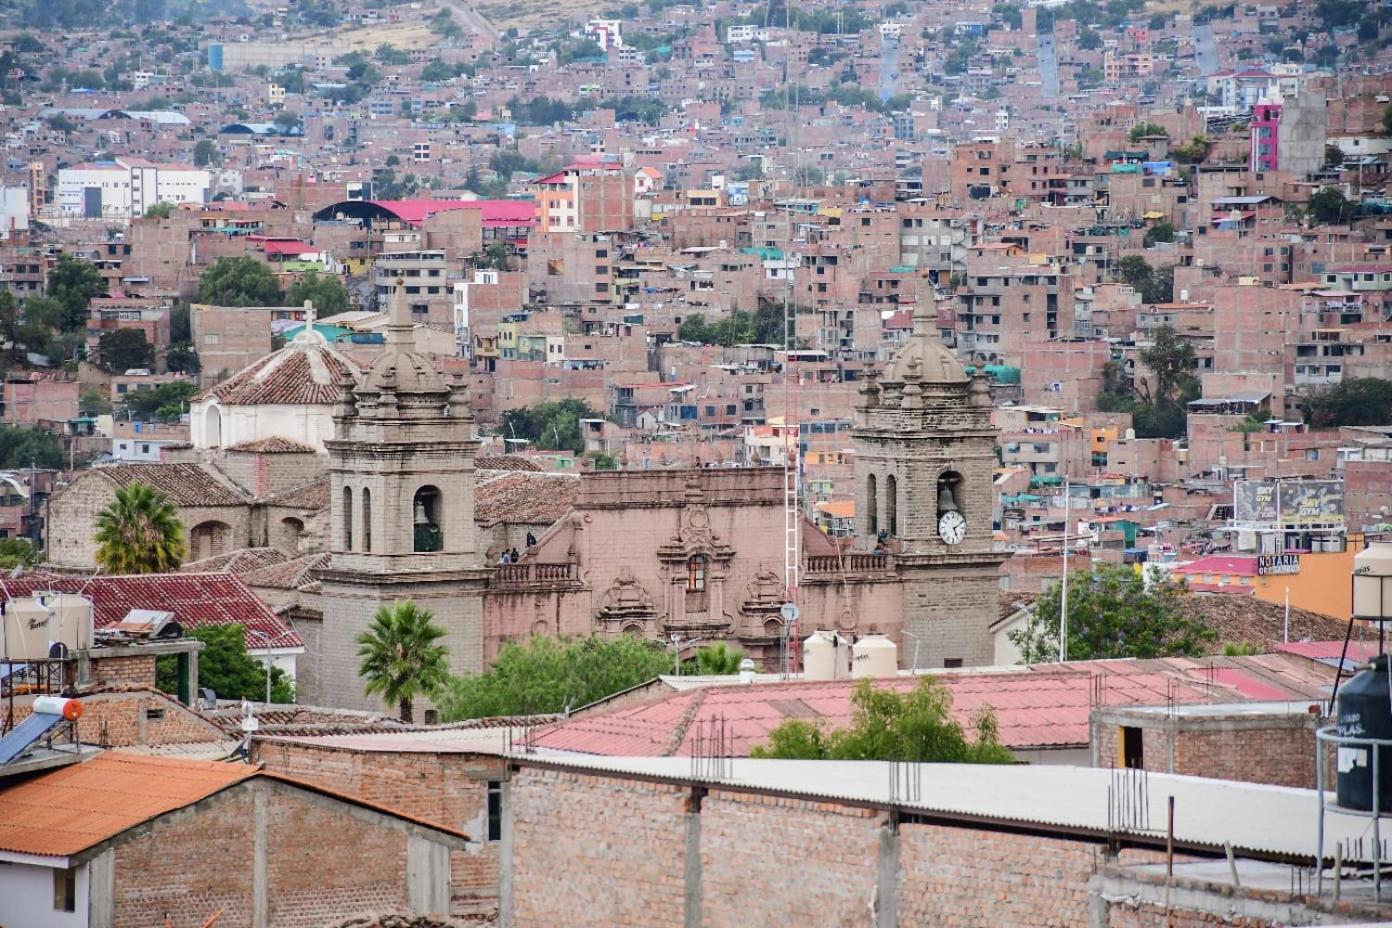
[
  {"x": 750, "y": 844},
  {"x": 188, "y": 866},
  {"x": 1277, "y": 749},
  {"x": 137, "y": 670},
  {"x": 596, "y": 851},
  {"x": 196, "y": 861},
  {"x": 449, "y": 789},
  {"x": 1033, "y": 880},
  {"x": 118, "y": 720}
]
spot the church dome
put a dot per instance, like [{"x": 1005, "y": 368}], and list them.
[
  {"x": 924, "y": 357},
  {"x": 307, "y": 371}
]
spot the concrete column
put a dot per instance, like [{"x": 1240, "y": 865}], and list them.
[
  {"x": 505, "y": 908},
  {"x": 887, "y": 877},
  {"x": 101, "y": 890},
  {"x": 692, "y": 870},
  {"x": 260, "y": 897},
  {"x": 427, "y": 877}
]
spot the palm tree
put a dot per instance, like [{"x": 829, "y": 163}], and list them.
[
  {"x": 400, "y": 659},
  {"x": 718, "y": 659},
  {"x": 140, "y": 533}
]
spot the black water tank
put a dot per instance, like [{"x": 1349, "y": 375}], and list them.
[{"x": 1365, "y": 711}]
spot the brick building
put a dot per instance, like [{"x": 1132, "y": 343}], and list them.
[{"x": 96, "y": 840}]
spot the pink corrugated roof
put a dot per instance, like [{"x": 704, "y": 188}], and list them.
[
  {"x": 1228, "y": 565},
  {"x": 1046, "y": 707},
  {"x": 510, "y": 212},
  {"x": 288, "y": 248},
  {"x": 1321, "y": 650}
]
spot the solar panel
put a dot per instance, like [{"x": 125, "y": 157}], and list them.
[{"x": 26, "y": 733}]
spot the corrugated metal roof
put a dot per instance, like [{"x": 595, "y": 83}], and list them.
[
  {"x": 1269, "y": 820},
  {"x": 69, "y": 810}
]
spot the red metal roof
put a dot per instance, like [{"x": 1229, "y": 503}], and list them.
[
  {"x": 495, "y": 212},
  {"x": 1035, "y": 708},
  {"x": 1226, "y": 565},
  {"x": 288, "y": 248},
  {"x": 197, "y": 600},
  {"x": 69, "y": 810}
]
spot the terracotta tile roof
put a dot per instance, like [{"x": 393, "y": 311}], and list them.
[
  {"x": 294, "y": 574},
  {"x": 236, "y": 562},
  {"x": 296, "y": 374},
  {"x": 197, "y": 600},
  {"x": 311, "y": 495},
  {"x": 274, "y": 444},
  {"x": 65, "y": 812},
  {"x": 511, "y": 462},
  {"x": 524, "y": 497},
  {"x": 184, "y": 484},
  {"x": 1253, "y": 621}
]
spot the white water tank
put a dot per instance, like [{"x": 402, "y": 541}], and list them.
[
  {"x": 874, "y": 656},
  {"x": 1372, "y": 582},
  {"x": 825, "y": 656}
]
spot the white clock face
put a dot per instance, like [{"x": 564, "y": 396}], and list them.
[{"x": 952, "y": 528}]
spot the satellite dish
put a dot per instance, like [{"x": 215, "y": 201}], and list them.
[
  {"x": 789, "y": 612},
  {"x": 209, "y": 697}
]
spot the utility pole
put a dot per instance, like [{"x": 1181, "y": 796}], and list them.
[{"x": 1063, "y": 593}]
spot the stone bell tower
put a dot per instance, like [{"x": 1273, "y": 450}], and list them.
[
  {"x": 925, "y": 456},
  {"x": 401, "y": 471}
]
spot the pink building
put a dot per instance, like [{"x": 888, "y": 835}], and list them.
[{"x": 1266, "y": 121}]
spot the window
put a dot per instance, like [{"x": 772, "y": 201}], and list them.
[
  {"x": 950, "y": 662},
  {"x": 1131, "y": 747},
  {"x": 872, "y": 505},
  {"x": 495, "y": 810},
  {"x": 347, "y": 519},
  {"x": 892, "y": 505},
  {"x": 696, "y": 573},
  {"x": 367, "y": 520},
  {"x": 65, "y": 890},
  {"x": 426, "y": 517}
]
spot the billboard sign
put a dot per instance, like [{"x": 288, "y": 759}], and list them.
[
  {"x": 1271, "y": 565},
  {"x": 1292, "y": 504}
]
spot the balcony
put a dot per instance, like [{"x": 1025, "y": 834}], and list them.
[
  {"x": 533, "y": 576},
  {"x": 833, "y": 565}
]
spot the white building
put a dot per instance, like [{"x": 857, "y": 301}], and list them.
[
  {"x": 288, "y": 394},
  {"x": 127, "y": 187},
  {"x": 14, "y": 211}
]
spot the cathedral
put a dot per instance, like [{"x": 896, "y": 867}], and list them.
[
  {"x": 690, "y": 555},
  {"x": 399, "y": 506}
]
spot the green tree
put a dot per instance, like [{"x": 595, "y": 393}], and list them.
[
  {"x": 124, "y": 349},
  {"x": 146, "y": 403},
  {"x": 719, "y": 659},
  {"x": 226, "y": 667},
  {"x": 1330, "y": 207},
  {"x": 1162, "y": 231},
  {"x": 916, "y": 726},
  {"x": 554, "y": 425},
  {"x": 18, "y": 552},
  {"x": 93, "y": 401},
  {"x": 1089, "y": 39},
  {"x": 182, "y": 358},
  {"x": 73, "y": 282},
  {"x": 1357, "y": 401},
  {"x": 549, "y": 675},
  {"x": 1387, "y": 120},
  {"x": 240, "y": 281},
  {"x": 29, "y": 446},
  {"x": 139, "y": 532},
  {"x": 160, "y": 210},
  {"x": 1333, "y": 156},
  {"x": 400, "y": 656},
  {"x": 206, "y": 154},
  {"x": 1192, "y": 152},
  {"x": 326, "y": 291},
  {"x": 287, "y": 123},
  {"x": 1112, "y": 613}
]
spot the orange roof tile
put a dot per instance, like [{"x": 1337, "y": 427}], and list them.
[{"x": 65, "y": 812}]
